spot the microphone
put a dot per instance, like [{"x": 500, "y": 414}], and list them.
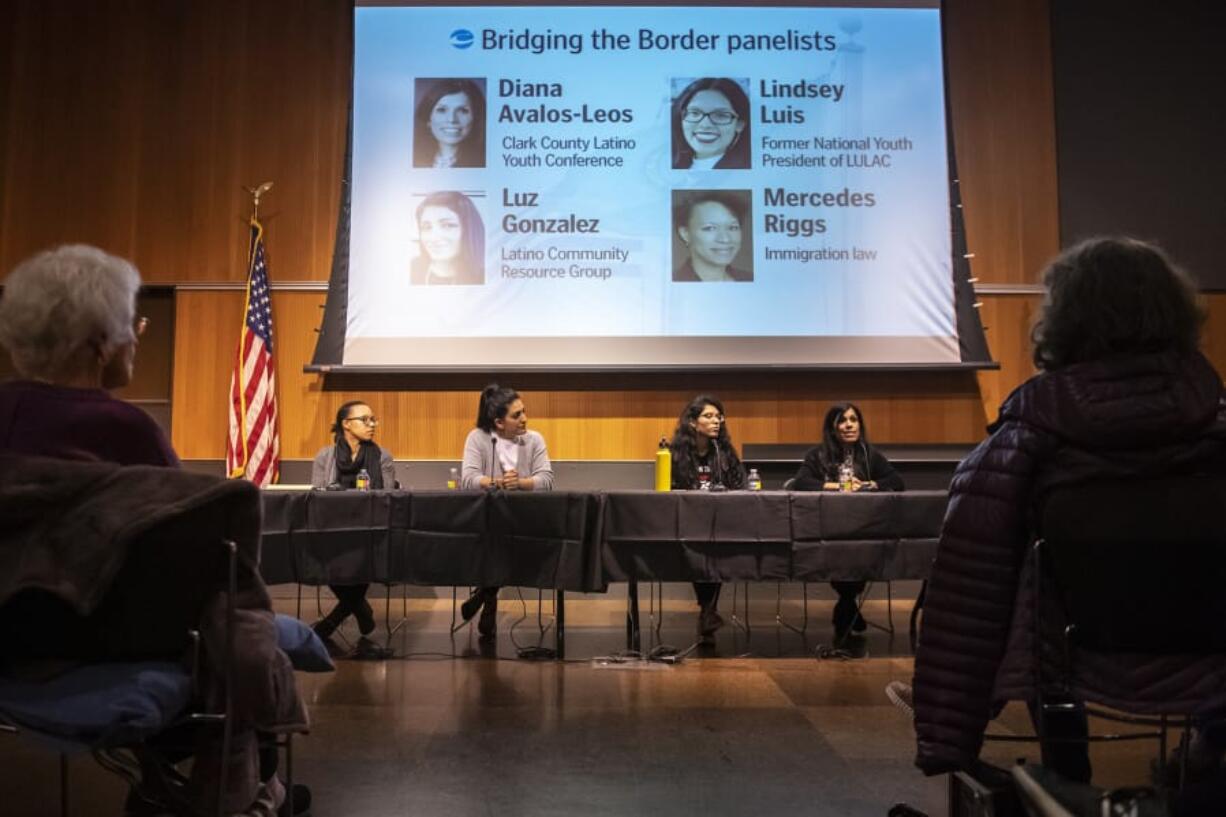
[
  {"x": 717, "y": 479},
  {"x": 493, "y": 461}
]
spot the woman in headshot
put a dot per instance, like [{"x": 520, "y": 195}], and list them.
[
  {"x": 845, "y": 445},
  {"x": 500, "y": 453},
  {"x": 705, "y": 459},
  {"x": 711, "y": 126},
  {"x": 353, "y": 450},
  {"x": 449, "y": 125},
  {"x": 1122, "y": 392},
  {"x": 710, "y": 225},
  {"x": 451, "y": 238}
]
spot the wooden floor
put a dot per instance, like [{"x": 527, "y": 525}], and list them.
[{"x": 455, "y": 727}]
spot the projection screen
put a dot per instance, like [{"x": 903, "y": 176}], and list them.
[{"x": 640, "y": 187}]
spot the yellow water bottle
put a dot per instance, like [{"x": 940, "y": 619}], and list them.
[{"x": 664, "y": 466}]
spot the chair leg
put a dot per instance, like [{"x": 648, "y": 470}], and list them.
[
  {"x": 63, "y": 785},
  {"x": 804, "y": 621},
  {"x": 744, "y": 625},
  {"x": 913, "y": 626},
  {"x": 289, "y": 771}
]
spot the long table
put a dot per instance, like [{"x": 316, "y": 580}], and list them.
[{"x": 582, "y": 541}]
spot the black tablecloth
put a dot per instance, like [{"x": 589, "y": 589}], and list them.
[
  {"x": 432, "y": 538},
  {"x": 583, "y": 541}
]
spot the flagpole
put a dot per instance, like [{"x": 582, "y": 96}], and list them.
[{"x": 256, "y": 192}]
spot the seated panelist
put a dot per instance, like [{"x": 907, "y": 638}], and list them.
[
  {"x": 500, "y": 453},
  {"x": 845, "y": 448},
  {"x": 705, "y": 459},
  {"x": 337, "y": 466}
]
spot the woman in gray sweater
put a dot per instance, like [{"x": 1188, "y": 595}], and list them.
[{"x": 501, "y": 454}]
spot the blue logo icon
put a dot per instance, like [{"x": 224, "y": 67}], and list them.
[{"x": 462, "y": 38}]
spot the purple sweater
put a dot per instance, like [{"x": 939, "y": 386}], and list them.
[{"x": 43, "y": 420}]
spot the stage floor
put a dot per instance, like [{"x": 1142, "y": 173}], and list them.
[{"x": 755, "y": 726}]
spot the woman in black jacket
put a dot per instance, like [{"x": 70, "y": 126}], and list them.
[
  {"x": 845, "y": 448},
  {"x": 704, "y": 459}
]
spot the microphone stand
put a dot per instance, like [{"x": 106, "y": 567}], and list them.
[{"x": 717, "y": 479}]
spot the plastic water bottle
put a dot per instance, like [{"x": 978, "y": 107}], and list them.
[
  {"x": 845, "y": 477},
  {"x": 755, "y": 481},
  {"x": 664, "y": 467},
  {"x": 362, "y": 482},
  {"x": 453, "y": 480}
]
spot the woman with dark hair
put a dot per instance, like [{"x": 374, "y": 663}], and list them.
[
  {"x": 711, "y": 225},
  {"x": 451, "y": 240},
  {"x": 338, "y": 465},
  {"x": 845, "y": 448},
  {"x": 711, "y": 121},
  {"x": 704, "y": 459},
  {"x": 449, "y": 125},
  {"x": 1122, "y": 392},
  {"x": 500, "y": 453}
]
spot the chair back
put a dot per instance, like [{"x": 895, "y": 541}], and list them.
[{"x": 1139, "y": 564}]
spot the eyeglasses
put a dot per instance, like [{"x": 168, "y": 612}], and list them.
[
  {"x": 719, "y": 117},
  {"x": 366, "y": 419},
  {"x": 140, "y": 325}
]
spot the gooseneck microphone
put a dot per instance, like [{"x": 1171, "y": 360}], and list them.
[
  {"x": 717, "y": 478},
  {"x": 493, "y": 461}
]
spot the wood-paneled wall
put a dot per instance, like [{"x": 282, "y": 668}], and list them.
[{"x": 133, "y": 124}]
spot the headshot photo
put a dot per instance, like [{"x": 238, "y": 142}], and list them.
[
  {"x": 449, "y": 123},
  {"x": 711, "y": 124},
  {"x": 712, "y": 236},
  {"x": 450, "y": 241}
]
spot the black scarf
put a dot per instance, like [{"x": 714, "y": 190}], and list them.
[{"x": 347, "y": 466}]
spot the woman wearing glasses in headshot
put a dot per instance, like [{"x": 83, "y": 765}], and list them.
[
  {"x": 710, "y": 225},
  {"x": 449, "y": 124},
  {"x": 711, "y": 126},
  {"x": 338, "y": 465},
  {"x": 451, "y": 238}
]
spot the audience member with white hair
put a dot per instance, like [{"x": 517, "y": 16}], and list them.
[{"x": 68, "y": 319}]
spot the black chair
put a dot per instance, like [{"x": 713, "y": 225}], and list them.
[
  {"x": 118, "y": 709},
  {"x": 1128, "y": 567}
]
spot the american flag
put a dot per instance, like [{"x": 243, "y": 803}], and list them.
[{"x": 253, "y": 449}]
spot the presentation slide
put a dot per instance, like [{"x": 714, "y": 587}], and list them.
[{"x": 649, "y": 187}]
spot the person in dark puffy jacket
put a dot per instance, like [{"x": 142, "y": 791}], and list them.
[{"x": 1122, "y": 391}]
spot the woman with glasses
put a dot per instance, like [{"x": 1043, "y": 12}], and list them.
[
  {"x": 501, "y": 454},
  {"x": 710, "y": 225},
  {"x": 338, "y": 465},
  {"x": 704, "y": 459},
  {"x": 68, "y": 318},
  {"x": 711, "y": 126}
]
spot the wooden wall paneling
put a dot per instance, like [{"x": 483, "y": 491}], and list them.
[
  {"x": 1007, "y": 319},
  {"x": 1214, "y": 341},
  {"x": 1000, "y": 92},
  {"x": 206, "y": 338},
  {"x": 147, "y": 118}
]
